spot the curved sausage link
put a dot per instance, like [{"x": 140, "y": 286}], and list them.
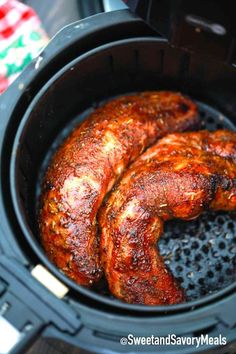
[
  {"x": 88, "y": 164},
  {"x": 179, "y": 177}
]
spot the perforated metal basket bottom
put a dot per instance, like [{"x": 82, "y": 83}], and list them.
[{"x": 201, "y": 254}]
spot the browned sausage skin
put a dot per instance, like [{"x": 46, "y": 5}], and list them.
[
  {"x": 179, "y": 177},
  {"x": 87, "y": 165}
]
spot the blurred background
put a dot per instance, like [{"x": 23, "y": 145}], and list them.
[
  {"x": 56, "y": 14},
  {"x": 26, "y": 26}
]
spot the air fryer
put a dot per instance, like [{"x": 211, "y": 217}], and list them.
[{"x": 86, "y": 64}]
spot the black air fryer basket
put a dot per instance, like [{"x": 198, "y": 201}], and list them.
[{"x": 87, "y": 63}]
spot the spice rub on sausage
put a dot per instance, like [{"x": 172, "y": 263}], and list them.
[
  {"x": 89, "y": 162},
  {"x": 179, "y": 177}
]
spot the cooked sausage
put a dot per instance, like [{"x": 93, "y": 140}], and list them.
[
  {"x": 179, "y": 177},
  {"x": 89, "y": 162}
]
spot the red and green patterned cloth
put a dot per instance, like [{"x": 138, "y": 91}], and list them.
[{"x": 21, "y": 39}]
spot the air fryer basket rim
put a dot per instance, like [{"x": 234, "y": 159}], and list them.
[{"x": 31, "y": 238}]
